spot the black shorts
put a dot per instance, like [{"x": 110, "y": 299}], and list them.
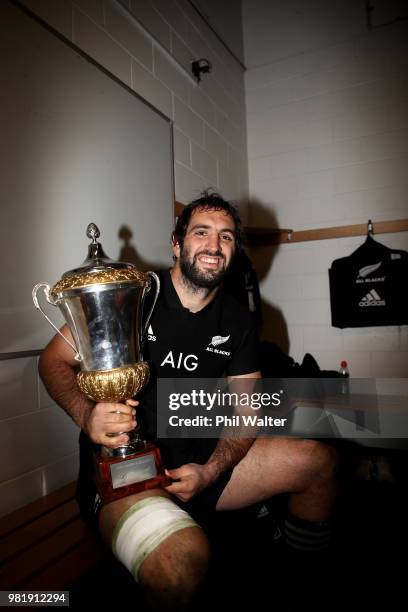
[
  {"x": 87, "y": 495},
  {"x": 201, "y": 508}
]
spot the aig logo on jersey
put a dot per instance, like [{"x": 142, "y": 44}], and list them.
[
  {"x": 177, "y": 361},
  {"x": 215, "y": 342}
]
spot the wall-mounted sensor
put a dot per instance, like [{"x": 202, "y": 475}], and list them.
[{"x": 200, "y": 67}]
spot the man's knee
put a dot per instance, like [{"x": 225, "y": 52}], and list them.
[
  {"x": 319, "y": 459},
  {"x": 174, "y": 571}
]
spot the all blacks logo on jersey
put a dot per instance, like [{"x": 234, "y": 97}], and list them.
[{"x": 216, "y": 341}]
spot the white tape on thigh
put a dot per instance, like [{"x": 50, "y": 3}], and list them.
[{"x": 144, "y": 526}]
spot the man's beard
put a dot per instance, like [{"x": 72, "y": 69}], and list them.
[{"x": 200, "y": 279}]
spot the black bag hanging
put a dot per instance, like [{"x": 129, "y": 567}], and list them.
[
  {"x": 242, "y": 283},
  {"x": 367, "y": 287}
]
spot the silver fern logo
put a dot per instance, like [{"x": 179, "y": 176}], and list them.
[
  {"x": 368, "y": 269},
  {"x": 217, "y": 340}
]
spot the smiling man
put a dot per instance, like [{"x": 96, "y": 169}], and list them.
[
  {"x": 207, "y": 250},
  {"x": 198, "y": 331}
]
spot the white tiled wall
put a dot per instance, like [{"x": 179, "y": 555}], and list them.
[
  {"x": 327, "y": 146},
  {"x": 143, "y": 42},
  {"x": 36, "y": 483},
  {"x": 38, "y": 441}
]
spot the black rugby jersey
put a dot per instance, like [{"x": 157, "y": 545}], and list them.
[{"x": 221, "y": 339}]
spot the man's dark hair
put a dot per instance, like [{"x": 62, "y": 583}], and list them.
[{"x": 207, "y": 201}]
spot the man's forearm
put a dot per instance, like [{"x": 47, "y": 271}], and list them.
[
  {"x": 230, "y": 450},
  {"x": 60, "y": 381},
  {"x": 227, "y": 454}
]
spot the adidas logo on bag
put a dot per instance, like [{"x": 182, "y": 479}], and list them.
[{"x": 371, "y": 299}]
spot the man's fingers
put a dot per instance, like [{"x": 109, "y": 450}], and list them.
[
  {"x": 184, "y": 483},
  {"x": 175, "y": 474},
  {"x": 113, "y": 408},
  {"x": 118, "y": 427},
  {"x": 178, "y": 489},
  {"x": 132, "y": 402},
  {"x": 110, "y": 422},
  {"x": 115, "y": 442},
  {"x": 116, "y": 417},
  {"x": 175, "y": 488}
]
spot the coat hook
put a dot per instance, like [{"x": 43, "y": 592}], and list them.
[{"x": 370, "y": 228}]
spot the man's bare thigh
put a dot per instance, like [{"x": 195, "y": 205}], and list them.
[{"x": 271, "y": 466}]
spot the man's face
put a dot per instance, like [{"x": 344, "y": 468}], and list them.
[{"x": 208, "y": 248}]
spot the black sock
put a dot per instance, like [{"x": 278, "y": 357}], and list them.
[{"x": 306, "y": 536}]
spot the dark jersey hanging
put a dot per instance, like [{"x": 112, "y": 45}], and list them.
[
  {"x": 242, "y": 283},
  {"x": 367, "y": 288}
]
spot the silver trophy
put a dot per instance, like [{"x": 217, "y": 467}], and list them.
[{"x": 102, "y": 304}]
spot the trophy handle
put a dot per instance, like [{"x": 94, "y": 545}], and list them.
[
  {"x": 46, "y": 288},
  {"x": 146, "y": 325}
]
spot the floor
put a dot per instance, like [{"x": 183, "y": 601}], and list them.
[{"x": 366, "y": 568}]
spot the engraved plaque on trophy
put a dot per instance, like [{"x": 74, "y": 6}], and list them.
[{"x": 102, "y": 304}]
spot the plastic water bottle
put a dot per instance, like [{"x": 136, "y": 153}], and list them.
[{"x": 345, "y": 375}]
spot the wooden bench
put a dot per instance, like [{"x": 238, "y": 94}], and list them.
[{"x": 46, "y": 545}]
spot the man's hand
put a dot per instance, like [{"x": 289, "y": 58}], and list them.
[
  {"x": 110, "y": 418},
  {"x": 191, "y": 479}
]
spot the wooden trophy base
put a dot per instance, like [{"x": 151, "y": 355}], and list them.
[{"x": 120, "y": 476}]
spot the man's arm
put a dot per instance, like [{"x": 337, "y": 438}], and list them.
[
  {"x": 230, "y": 451},
  {"x": 193, "y": 477},
  {"x": 56, "y": 368}
]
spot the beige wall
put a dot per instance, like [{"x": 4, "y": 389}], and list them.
[
  {"x": 138, "y": 44},
  {"x": 327, "y": 128}
]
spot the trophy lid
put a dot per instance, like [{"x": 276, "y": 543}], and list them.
[{"x": 99, "y": 269}]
